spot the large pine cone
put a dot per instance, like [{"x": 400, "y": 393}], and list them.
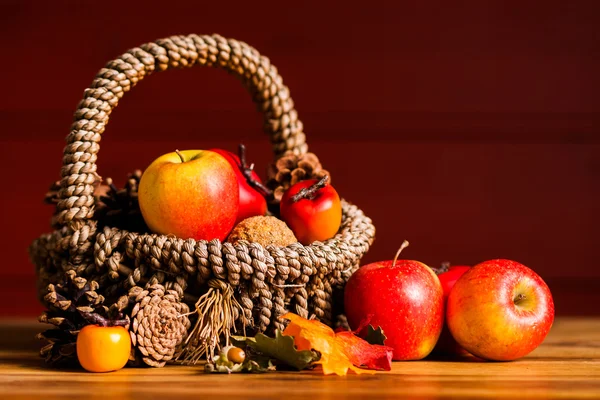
[
  {"x": 291, "y": 169},
  {"x": 71, "y": 304},
  {"x": 158, "y": 324}
]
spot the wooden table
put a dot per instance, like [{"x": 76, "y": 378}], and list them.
[{"x": 567, "y": 365}]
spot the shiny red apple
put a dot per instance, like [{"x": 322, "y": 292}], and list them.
[
  {"x": 500, "y": 310},
  {"x": 404, "y": 298},
  {"x": 449, "y": 278},
  {"x": 252, "y": 201}
]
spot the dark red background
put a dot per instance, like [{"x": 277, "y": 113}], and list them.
[{"x": 468, "y": 128}]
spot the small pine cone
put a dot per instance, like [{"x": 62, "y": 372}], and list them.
[
  {"x": 291, "y": 169},
  {"x": 133, "y": 181},
  {"x": 158, "y": 323},
  {"x": 119, "y": 207}
]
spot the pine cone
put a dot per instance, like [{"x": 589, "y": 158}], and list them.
[
  {"x": 71, "y": 304},
  {"x": 119, "y": 207},
  {"x": 291, "y": 169},
  {"x": 159, "y": 324}
]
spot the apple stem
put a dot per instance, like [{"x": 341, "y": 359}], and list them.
[
  {"x": 247, "y": 172},
  {"x": 402, "y": 247},
  {"x": 310, "y": 192},
  {"x": 180, "y": 155}
]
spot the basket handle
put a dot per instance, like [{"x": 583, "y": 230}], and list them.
[{"x": 76, "y": 196}]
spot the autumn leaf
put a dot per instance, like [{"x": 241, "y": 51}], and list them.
[
  {"x": 257, "y": 364},
  {"x": 362, "y": 353},
  {"x": 340, "y": 351},
  {"x": 280, "y": 348},
  {"x": 242, "y": 341}
]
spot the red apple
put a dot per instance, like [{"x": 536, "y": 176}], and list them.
[
  {"x": 252, "y": 202},
  {"x": 500, "y": 310},
  {"x": 449, "y": 278},
  {"x": 190, "y": 194},
  {"x": 404, "y": 298},
  {"x": 446, "y": 343}
]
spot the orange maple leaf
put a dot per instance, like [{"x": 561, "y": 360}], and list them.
[{"x": 340, "y": 351}]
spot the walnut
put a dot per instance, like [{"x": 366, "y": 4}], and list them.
[{"x": 263, "y": 230}]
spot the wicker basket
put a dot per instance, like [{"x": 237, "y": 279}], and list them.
[{"x": 265, "y": 281}]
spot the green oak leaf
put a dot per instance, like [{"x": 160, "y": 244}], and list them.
[
  {"x": 242, "y": 341},
  {"x": 258, "y": 364},
  {"x": 375, "y": 336},
  {"x": 282, "y": 348}
]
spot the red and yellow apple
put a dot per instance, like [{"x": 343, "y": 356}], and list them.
[
  {"x": 190, "y": 194},
  {"x": 500, "y": 310},
  {"x": 404, "y": 298}
]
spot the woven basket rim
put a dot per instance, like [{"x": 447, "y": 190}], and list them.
[{"x": 292, "y": 246}]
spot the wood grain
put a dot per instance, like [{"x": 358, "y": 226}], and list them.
[{"x": 566, "y": 365}]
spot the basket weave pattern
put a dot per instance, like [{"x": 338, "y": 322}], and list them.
[{"x": 266, "y": 281}]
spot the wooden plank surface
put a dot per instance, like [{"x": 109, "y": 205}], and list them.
[{"x": 567, "y": 365}]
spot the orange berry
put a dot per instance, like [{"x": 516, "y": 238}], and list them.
[{"x": 236, "y": 355}]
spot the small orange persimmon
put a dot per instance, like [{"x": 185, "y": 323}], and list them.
[
  {"x": 312, "y": 209},
  {"x": 103, "y": 348}
]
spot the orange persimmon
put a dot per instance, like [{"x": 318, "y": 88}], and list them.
[
  {"x": 312, "y": 209},
  {"x": 103, "y": 348}
]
